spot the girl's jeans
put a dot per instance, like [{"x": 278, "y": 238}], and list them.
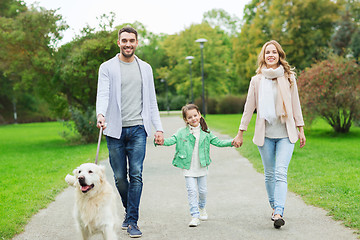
[
  {"x": 276, "y": 154},
  {"x": 194, "y": 186}
]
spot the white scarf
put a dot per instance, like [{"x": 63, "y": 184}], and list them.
[{"x": 267, "y": 103}]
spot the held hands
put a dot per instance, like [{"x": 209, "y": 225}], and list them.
[
  {"x": 159, "y": 138},
  {"x": 101, "y": 121},
  {"x": 238, "y": 140}
]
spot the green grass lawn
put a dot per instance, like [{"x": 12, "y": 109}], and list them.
[
  {"x": 325, "y": 173},
  {"x": 34, "y": 162}
]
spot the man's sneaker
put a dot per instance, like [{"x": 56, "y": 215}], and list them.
[
  {"x": 194, "y": 222},
  {"x": 134, "y": 230},
  {"x": 125, "y": 223},
  {"x": 203, "y": 214}
]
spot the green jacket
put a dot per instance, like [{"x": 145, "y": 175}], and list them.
[{"x": 185, "y": 142}]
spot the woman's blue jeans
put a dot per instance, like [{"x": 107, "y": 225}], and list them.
[
  {"x": 197, "y": 191},
  {"x": 276, "y": 154},
  {"x": 126, "y": 158}
]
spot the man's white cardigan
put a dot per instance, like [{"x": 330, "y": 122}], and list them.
[{"x": 108, "y": 99}]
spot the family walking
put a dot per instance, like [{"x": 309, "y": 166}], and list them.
[{"x": 126, "y": 107}]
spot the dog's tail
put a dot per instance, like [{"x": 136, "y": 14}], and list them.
[{"x": 70, "y": 180}]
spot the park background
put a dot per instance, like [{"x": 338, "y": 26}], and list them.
[{"x": 43, "y": 81}]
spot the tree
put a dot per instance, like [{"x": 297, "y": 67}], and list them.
[
  {"x": 343, "y": 34},
  {"x": 28, "y": 38},
  {"x": 331, "y": 89},
  {"x": 355, "y": 44},
  {"x": 219, "y": 18},
  {"x": 217, "y": 61},
  {"x": 11, "y": 8}
]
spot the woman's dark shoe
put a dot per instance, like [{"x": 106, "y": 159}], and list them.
[{"x": 278, "y": 222}]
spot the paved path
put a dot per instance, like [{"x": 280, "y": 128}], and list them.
[{"x": 237, "y": 204}]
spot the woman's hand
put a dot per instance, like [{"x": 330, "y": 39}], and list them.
[
  {"x": 238, "y": 140},
  {"x": 302, "y": 137}
]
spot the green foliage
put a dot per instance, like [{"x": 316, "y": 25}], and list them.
[
  {"x": 218, "y": 68},
  {"x": 40, "y": 159},
  {"x": 177, "y": 102},
  {"x": 331, "y": 89},
  {"x": 11, "y": 8},
  {"x": 26, "y": 52},
  {"x": 325, "y": 173},
  {"x": 85, "y": 124},
  {"x": 343, "y": 34},
  {"x": 355, "y": 44},
  {"x": 28, "y": 38},
  {"x": 219, "y": 18}
]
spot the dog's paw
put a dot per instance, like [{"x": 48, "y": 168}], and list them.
[{"x": 70, "y": 180}]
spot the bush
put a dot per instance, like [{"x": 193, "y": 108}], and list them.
[
  {"x": 161, "y": 101},
  {"x": 231, "y": 104},
  {"x": 84, "y": 124},
  {"x": 177, "y": 102},
  {"x": 331, "y": 89},
  {"x": 211, "y": 105}
]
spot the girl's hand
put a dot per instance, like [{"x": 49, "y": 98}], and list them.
[
  {"x": 238, "y": 140},
  {"x": 159, "y": 138}
]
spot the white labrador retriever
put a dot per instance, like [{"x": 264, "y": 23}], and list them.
[{"x": 95, "y": 201}]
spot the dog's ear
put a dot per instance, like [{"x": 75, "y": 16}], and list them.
[
  {"x": 71, "y": 180},
  {"x": 76, "y": 171},
  {"x": 102, "y": 169},
  {"x": 102, "y": 172}
]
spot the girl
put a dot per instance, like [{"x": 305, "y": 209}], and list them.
[
  {"x": 192, "y": 155},
  {"x": 274, "y": 94}
]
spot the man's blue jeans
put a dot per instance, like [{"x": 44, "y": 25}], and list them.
[
  {"x": 276, "y": 154},
  {"x": 127, "y": 156}
]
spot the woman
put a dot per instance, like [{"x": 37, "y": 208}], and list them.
[{"x": 273, "y": 93}]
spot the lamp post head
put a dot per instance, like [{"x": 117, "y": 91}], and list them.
[
  {"x": 201, "y": 41},
  {"x": 189, "y": 58}
]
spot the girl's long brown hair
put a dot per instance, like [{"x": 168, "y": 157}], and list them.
[{"x": 191, "y": 106}]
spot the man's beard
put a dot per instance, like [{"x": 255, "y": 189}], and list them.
[{"x": 127, "y": 55}]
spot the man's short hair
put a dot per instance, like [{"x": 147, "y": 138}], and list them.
[{"x": 128, "y": 29}]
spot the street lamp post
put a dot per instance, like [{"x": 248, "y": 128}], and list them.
[
  {"x": 166, "y": 96},
  {"x": 202, "y": 41},
  {"x": 189, "y": 58}
]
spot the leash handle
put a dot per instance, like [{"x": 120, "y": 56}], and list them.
[{"x": 98, "y": 146}]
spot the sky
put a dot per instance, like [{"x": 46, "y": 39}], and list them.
[{"x": 158, "y": 16}]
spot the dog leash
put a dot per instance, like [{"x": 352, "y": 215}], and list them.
[{"x": 98, "y": 146}]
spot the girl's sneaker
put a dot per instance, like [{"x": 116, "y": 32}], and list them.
[
  {"x": 194, "y": 222},
  {"x": 203, "y": 214}
]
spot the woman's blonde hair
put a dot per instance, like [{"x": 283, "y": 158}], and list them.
[
  {"x": 282, "y": 58},
  {"x": 191, "y": 106}
]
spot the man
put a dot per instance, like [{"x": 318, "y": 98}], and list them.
[{"x": 125, "y": 107}]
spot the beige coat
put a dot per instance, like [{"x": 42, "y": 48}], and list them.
[{"x": 294, "y": 120}]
